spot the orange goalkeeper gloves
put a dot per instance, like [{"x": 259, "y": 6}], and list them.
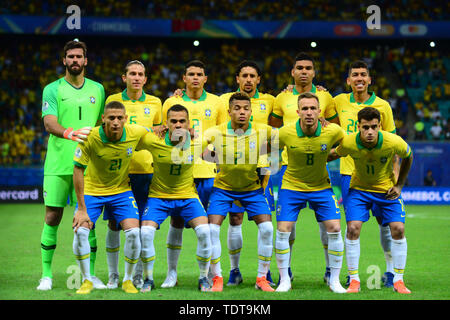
[{"x": 78, "y": 135}]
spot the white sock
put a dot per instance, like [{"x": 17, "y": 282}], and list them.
[
  {"x": 324, "y": 240},
  {"x": 291, "y": 242},
  {"x": 203, "y": 248},
  {"x": 112, "y": 251},
  {"x": 399, "y": 254},
  {"x": 82, "y": 250},
  {"x": 131, "y": 251},
  {"x": 335, "y": 254},
  {"x": 174, "y": 242},
  {"x": 386, "y": 243},
  {"x": 234, "y": 240},
  {"x": 352, "y": 253},
  {"x": 282, "y": 253},
  {"x": 147, "y": 250},
  {"x": 265, "y": 246},
  {"x": 216, "y": 249}
]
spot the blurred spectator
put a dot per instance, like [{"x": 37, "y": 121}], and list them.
[
  {"x": 436, "y": 131},
  {"x": 429, "y": 180}
]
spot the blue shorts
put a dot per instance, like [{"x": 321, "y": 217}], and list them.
[
  {"x": 345, "y": 187},
  {"x": 116, "y": 207},
  {"x": 266, "y": 182},
  {"x": 323, "y": 202},
  {"x": 280, "y": 181},
  {"x": 204, "y": 188},
  {"x": 140, "y": 184},
  {"x": 360, "y": 202},
  {"x": 159, "y": 209},
  {"x": 253, "y": 202}
]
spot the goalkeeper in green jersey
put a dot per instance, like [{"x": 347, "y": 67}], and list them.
[{"x": 71, "y": 105}]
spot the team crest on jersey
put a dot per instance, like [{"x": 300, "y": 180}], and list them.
[
  {"x": 45, "y": 106},
  {"x": 129, "y": 151},
  {"x": 208, "y": 113},
  {"x": 383, "y": 159},
  {"x": 92, "y": 98},
  {"x": 78, "y": 153},
  {"x": 263, "y": 107},
  {"x": 252, "y": 145},
  {"x": 323, "y": 147},
  {"x": 190, "y": 158},
  {"x": 147, "y": 111}
]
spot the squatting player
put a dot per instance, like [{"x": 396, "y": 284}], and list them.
[
  {"x": 71, "y": 106},
  {"x": 145, "y": 110},
  {"x": 347, "y": 107},
  {"x": 205, "y": 111},
  {"x": 373, "y": 182},
  {"x": 173, "y": 193},
  {"x": 237, "y": 146},
  {"x": 305, "y": 181},
  {"x": 107, "y": 155},
  {"x": 248, "y": 77}
]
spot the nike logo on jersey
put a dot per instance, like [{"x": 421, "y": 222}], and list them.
[
  {"x": 294, "y": 147},
  {"x": 161, "y": 156}
]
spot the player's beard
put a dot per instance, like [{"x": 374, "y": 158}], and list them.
[{"x": 75, "y": 72}]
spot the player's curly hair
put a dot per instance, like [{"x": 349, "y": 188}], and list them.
[{"x": 368, "y": 114}]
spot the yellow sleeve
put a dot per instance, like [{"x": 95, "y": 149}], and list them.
[
  {"x": 81, "y": 155},
  {"x": 222, "y": 113},
  {"x": 146, "y": 142},
  {"x": 329, "y": 113},
  {"x": 388, "y": 123},
  {"x": 342, "y": 149},
  {"x": 157, "y": 120},
  {"x": 277, "y": 110},
  {"x": 402, "y": 148}
]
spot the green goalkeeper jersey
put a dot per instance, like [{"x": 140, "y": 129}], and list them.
[{"x": 75, "y": 108}]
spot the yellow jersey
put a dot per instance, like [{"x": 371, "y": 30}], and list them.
[
  {"x": 347, "y": 109},
  {"x": 262, "y": 105},
  {"x": 173, "y": 167},
  {"x": 286, "y": 105},
  {"x": 204, "y": 113},
  {"x": 238, "y": 155},
  {"x": 107, "y": 162},
  {"x": 306, "y": 170},
  {"x": 373, "y": 167},
  {"x": 146, "y": 111}
]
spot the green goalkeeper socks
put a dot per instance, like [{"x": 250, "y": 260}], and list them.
[
  {"x": 48, "y": 245},
  {"x": 93, "y": 244}
]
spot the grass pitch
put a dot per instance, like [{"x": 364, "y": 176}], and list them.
[{"x": 427, "y": 272}]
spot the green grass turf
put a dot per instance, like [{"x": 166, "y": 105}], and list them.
[{"x": 427, "y": 232}]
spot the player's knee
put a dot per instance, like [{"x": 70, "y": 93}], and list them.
[
  {"x": 133, "y": 234},
  {"x": 236, "y": 219},
  {"x": 266, "y": 230},
  {"x": 397, "y": 231},
  {"x": 203, "y": 233},
  {"x": 353, "y": 231},
  {"x": 53, "y": 215}
]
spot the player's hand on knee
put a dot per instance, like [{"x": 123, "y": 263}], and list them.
[
  {"x": 79, "y": 135},
  {"x": 80, "y": 218}
]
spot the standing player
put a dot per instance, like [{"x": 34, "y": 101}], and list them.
[
  {"x": 305, "y": 181},
  {"x": 373, "y": 181},
  {"x": 237, "y": 146},
  {"x": 145, "y": 110},
  {"x": 248, "y": 77},
  {"x": 70, "y": 107},
  {"x": 347, "y": 107},
  {"x": 107, "y": 155},
  {"x": 205, "y": 110},
  {"x": 173, "y": 193},
  {"x": 285, "y": 112}
]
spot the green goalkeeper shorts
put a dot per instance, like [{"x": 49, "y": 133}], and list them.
[{"x": 59, "y": 191}]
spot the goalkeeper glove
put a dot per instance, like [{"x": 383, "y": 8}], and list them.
[{"x": 78, "y": 135}]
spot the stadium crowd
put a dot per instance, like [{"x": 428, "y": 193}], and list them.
[
  {"x": 23, "y": 138},
  {"x": 224, "y": 10}
]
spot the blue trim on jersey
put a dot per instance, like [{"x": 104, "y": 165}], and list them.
[
  {"x": 360, "y": 202},
  {"x": 253, "y": 202},
  {"x": 323, "y": 202}
]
